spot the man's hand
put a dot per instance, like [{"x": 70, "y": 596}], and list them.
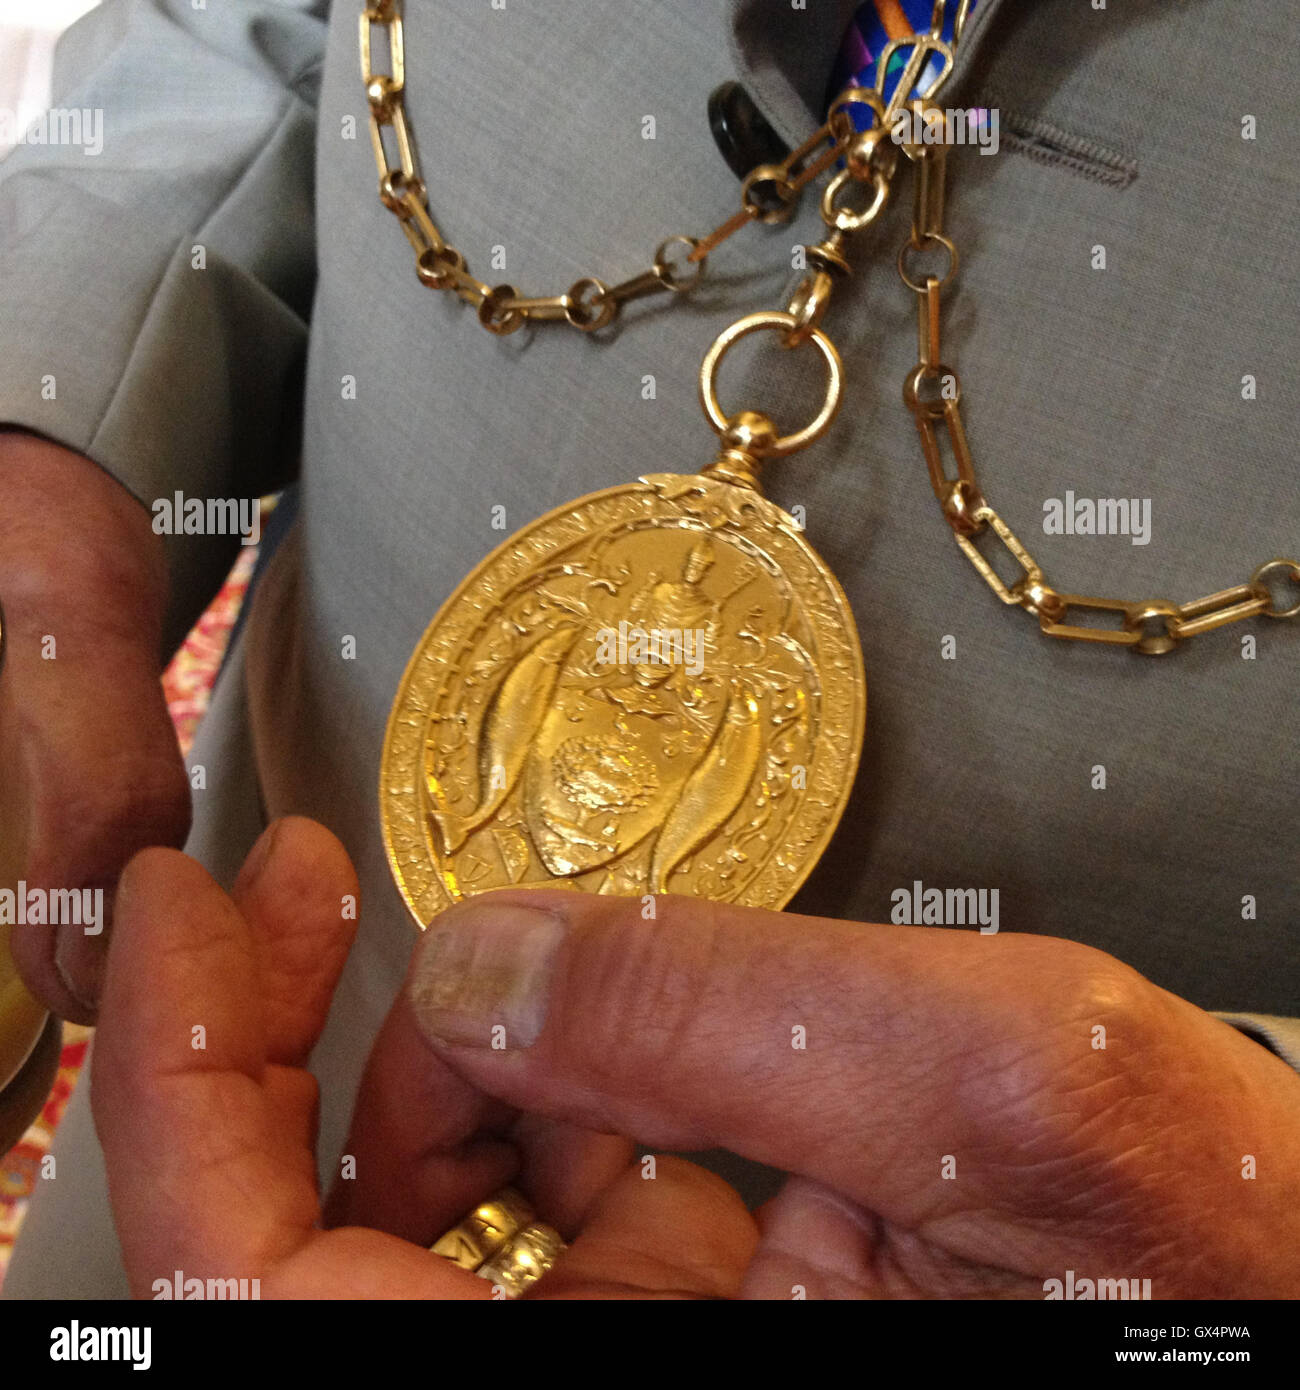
[
  {"x": 209, "y": 1136},
  {"x": 963, "y": 1115},
  {"x": 953, "y": 1123},
  {"x": 89, "y": 766}
]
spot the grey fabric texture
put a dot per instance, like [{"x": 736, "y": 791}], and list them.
[
  {"x": 978, "y": 771},
  {"x": 167, "y": 376}
]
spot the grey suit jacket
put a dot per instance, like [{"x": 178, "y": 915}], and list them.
[{"x": 241, "y": 128}]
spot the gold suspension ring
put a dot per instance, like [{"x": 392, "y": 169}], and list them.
[
  {"x": 787, "y": 324},
  {"x": 1265, "y": 571}
]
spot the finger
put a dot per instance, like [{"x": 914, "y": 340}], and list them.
[
  {"x": 566, "y": 1167},
  {"x": 856, "y": 1055},
  {"x": 204, "y": 1172},
  {"x": 673, "y": 1230},
  {"x": 817, "y": 1244},
  {"x": 298, "y": 893},
  {"x": 426, "y": 1147},
  {"x": 352, "y": 1263}
]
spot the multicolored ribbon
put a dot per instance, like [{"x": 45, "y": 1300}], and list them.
[{"x": 874, "y": 25}]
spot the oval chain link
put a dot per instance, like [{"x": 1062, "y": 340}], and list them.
[
  {"x": 932, "y": 392},
  {"x": 770, "y": 193}
]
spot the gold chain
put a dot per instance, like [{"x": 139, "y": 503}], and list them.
[
  {"x": 770, "y": 193},
  {"x": 932, "y": 392}
]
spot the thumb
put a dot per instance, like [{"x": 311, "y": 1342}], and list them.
[{"x": 855, "y": 1055}]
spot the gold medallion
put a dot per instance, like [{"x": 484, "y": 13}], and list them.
[{"x": 657, "y": 688}]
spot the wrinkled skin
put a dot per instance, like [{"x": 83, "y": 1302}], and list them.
[
  {"x": 90, "y": 771},
  {"x": 922, "y": 1045}
]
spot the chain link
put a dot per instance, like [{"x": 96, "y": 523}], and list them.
[
  {"x": 769, "y": 194},
  {"x": 932, "y": 392},
  {"x": 870, "y": 159},
  {"x": 852, "y": 200}
]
